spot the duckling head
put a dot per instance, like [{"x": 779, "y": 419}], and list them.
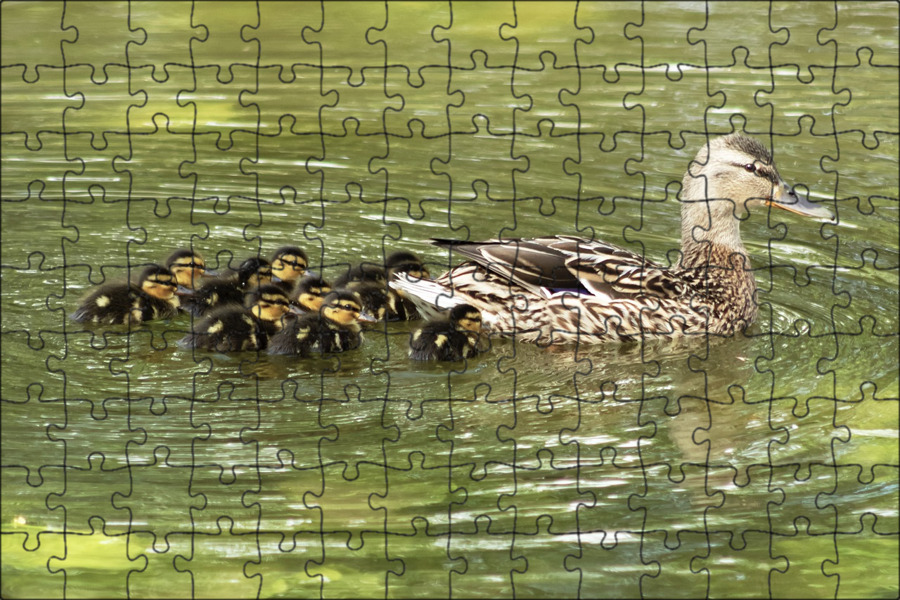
[
  {"x": 311, "y": 292},
  {"x": 159, "y": 282},
  {"x": 465, "y": 317},
  {"x": 343, "y": 307},
  {"x": 728, "y": 176},
  {"x": 406, "y": 262},
  {"x": 289, "y": 263},
  {"x": 268, "y": 302},
  {"x": 254, "y": 272},
  {"x": 187, "y": 266}
]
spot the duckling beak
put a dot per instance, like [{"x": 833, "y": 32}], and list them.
[
  {"x": 209, "y": 273},
  {"x": 183, "y": 291},
  {"x": 295, "y": 310},
  {"x": 785, "y": 197},
  {"x": 365, "y": 317}
]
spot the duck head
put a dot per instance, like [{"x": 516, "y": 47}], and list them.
[{"x": 725, "y": 180}]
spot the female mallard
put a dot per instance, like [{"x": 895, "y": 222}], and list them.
[{"x": 563, "y": 289}]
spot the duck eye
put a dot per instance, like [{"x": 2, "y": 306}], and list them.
[{"x": 750, "y": 168}]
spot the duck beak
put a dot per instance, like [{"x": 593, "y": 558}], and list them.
[{"x": 785, "y": 197}]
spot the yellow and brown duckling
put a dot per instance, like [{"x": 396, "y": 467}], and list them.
[
  {"x": 381, "y": 302},
  {"x": 379, "y": 299},
  {"x": 188, "y": 267},
  {"x": 236, "y": 328},
  {"x": 153, "y": 297},
  {"x": 403, "y": 261},
  {"x": 309, "y": 295},
  {"x": 289, "y": 264},
  {"x": 229, "y": 288},
  {"x": 334, "y": 328},
  {"x": 412, "y": 266},
  {"x": 450, "y": 338},
  {"x": 254, "y": 272}
]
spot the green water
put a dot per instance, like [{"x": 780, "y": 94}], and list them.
[{"x": 765, "y": 464}]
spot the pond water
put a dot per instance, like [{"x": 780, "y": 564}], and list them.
[{"x": 760, "y": 464}]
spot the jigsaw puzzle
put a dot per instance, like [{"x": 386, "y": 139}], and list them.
[{"x": 653, "y": 383}]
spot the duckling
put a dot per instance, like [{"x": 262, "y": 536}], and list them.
[
  {"x": 254, "y": 272},
  {"x": 406, "y": 262},
  {"x": 360, "y": 274},
  {"x": 310, "y": 293},
  {"x": 235, "y": 328},
  {"x": 335, "y": 328},
  {"x": 380, "y": 301},
  {"x": 454, "y": 337},
  {"x": 412, "y": 266},
  {"x": 116, "y": 303},
  {"x": 188, "y": 267},
  {"x": 289, "y": 264},
  {"x": 229, "y": 288}
]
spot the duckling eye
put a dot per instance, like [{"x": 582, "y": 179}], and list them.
[{"x": 750, "y": 168}]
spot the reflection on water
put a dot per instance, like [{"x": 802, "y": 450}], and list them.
[{"x": 700, "y": 466}]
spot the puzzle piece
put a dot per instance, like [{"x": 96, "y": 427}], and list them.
[{"x": 760, "y": 463}]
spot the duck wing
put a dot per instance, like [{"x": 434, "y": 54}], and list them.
[
  {"x": 602, "y": 267},
  {"x": 558, "y": 264},
  {"x": 531, "y": 263}
]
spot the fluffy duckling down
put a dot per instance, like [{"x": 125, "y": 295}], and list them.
[
  {"x": 451, "y": 338},
  {"x": 153, "y": 297},
  {"x": 234, "y": 328},
  {"x": 334, "y": 328}
]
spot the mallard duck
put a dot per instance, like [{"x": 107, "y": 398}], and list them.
[
  {"x": 310, "y": 293},
  {"x": 454, "y": 337},
  {"x": 289, "y": 264},
  {"x": 560, "y": 288},
  {"x": 188, "y": 267},
  {"x": 235, "y": 328},
  {"x": 335, "y": 328},
  {"x": 116, "y": 303},
  {"x": 229, "y": 288}
]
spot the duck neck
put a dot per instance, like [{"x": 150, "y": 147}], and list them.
[
  {"x": 710, "y": 230},
  {"x": 718, "y": 244}
]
